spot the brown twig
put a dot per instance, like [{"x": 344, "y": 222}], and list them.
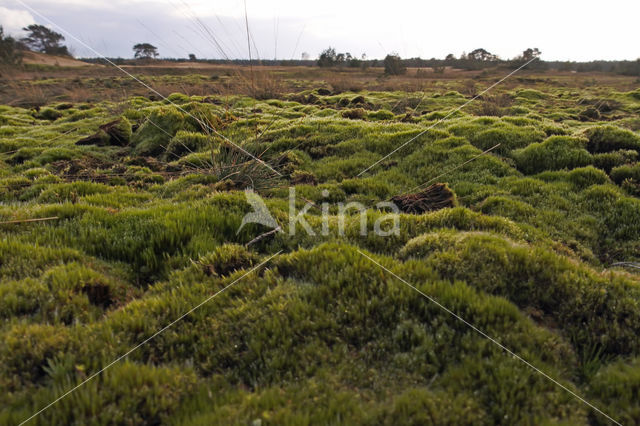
[
  {"x": 12, "y": 222},
  {"x": 310, "y": 202},
  {"x": 265, "y": 235}
]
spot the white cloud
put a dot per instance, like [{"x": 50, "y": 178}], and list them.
[{"x": 14, "y": 20}]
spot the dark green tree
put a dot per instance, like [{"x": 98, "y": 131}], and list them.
[
  {"x": 393, "y": 65},
  {"x": 42, "y": 39},
  {"x": 353, "y": 62},
  {"x": 530, "y": 53},
  {"x": 9, "y": 52},
  {"x": 481, "y": 55},
  {"x": 328, "y": 58},
  {"x": 145, "y": 51}
]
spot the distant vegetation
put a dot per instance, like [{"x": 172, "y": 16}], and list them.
[
  {"x": 393, "y": 65},
  {"x": 9, "y": 50},
  {"x": 146, "y": 51},
  {"x": 479, "y": 55},
  {"x": 44, "y": 40},
  {"x": 477, "y": 59},
  {"x": 330, "y": 58}
]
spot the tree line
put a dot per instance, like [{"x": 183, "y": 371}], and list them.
[
  {"x": 394, "y": 65},
  {"x": 42, "y": 39},
  {"x": 477, "y": 59}
]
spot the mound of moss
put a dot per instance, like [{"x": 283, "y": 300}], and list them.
[
  {"x": 161, "y": 125},
  {"x": 611, "y": 138},
  {"x": 486, "y": 132},
  {"x": 622, "y": 173},
  {"x": 555, "y": 153},
  {"x": 607, "y": 161},
  {"x": 185, "y": 142}
]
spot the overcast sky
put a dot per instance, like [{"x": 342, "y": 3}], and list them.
[{"x": 562, "y": 30}]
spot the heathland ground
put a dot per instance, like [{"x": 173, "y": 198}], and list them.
[{"x": 148, "y": 195}]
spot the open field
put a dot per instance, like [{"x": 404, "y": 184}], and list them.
[
  {"x": 148, "y": 211},
  {"x": 38, "y": 83}
]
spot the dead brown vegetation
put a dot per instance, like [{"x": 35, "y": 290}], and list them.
[{"x": 436, "y": 197}]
